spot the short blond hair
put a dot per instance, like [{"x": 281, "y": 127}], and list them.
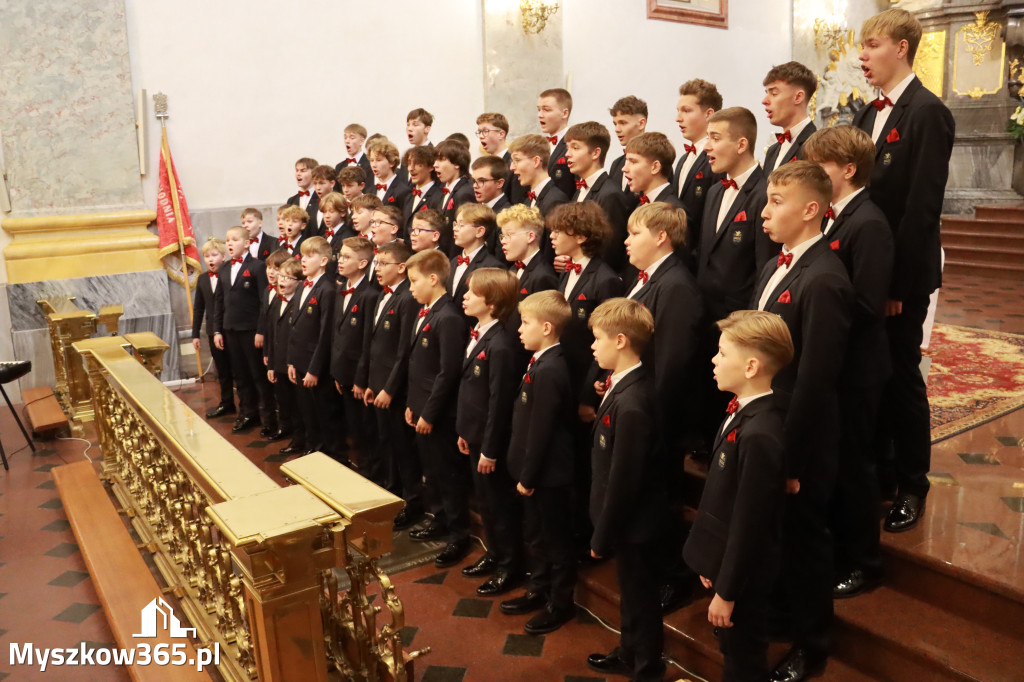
[
  {"x": 213, "y": 244},
  {"x": 382, "y": 146},
  {"x": 362, "y": 246},
  {"x": 334, "y": 201},
  {"x": 316, "y": 245},
  {"x": 498, "y": 287},
  {"x": 531, "y": 146},
  {"x": 662, "y": 217},
  {"x": 897, "y": 25},
  {"x": 294, "y": 212},
  {"x": 236, "y": 229},
  {"x": 253, "y": 212},
  {"x": 547, "y": 306},
  {"x": 625, "y": 316},
  {"x": 763, "y": 333},
  {"x": 430, "y": 262},
  {"x": 290, "y": 268},
  {"x": 529, "y": 218},
  {"x": 808, "y": 175}
]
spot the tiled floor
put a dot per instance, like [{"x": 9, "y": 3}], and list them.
[{"x": 975, "y": 520}]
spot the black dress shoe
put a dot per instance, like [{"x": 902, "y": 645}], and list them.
[
  {"x": 278, "y": 435},
  {"x": 674, "y": 596},
  {"x": 407, "y": 517},
  {"x": 528, "y": 603},
  {"x": 499, "y": 583},
  {"x": 293, "y": 449},
  {"x": 485, "y": 565},
  {"x": 549, "y": 620},
  {"x": 905, "y": 513},
  {"x": 220, "y": 411},
  {"x": 267, "y": 432},
  {"x": 244, "y": 424},
  {"x": 855, "y": 582},
  {"x": 453, "y": 553},
  {"x": 432, "y": 531},
  {"x": 798, "y": 664},
  {"x": 610, "y": 664}
]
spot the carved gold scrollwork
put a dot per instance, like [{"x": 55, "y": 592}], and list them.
[{"x": 978, "y": 37}]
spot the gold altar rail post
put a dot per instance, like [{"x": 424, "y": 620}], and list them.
[{"x": 251, "y": 562}]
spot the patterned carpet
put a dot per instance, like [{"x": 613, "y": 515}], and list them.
[{"x": 975, "y": 377}]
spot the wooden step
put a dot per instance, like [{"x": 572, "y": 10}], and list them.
[
  {"x": 43, "y": 410},
  {"x": 123, "y": 582},
  {"x": 1009, "y": 213},
  {"x": 991, "y": 240},
  {"x": 979, "y": 254},
  {"x": 974, "y": 225},
  {"x": 973, "y": 268}
]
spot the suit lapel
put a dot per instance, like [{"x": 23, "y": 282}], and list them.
[
  {"x": 787, "y": 282},
  {"x": 390, "y": 304},
  {"x": 582, "y": 280},
  {"x": 694, "y": 169},
  {"x": 481, "y": 345},
  {"x": 896, "y": 114},
  {"x": 736, "y": 207}
]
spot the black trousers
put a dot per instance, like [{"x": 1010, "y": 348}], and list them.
[
  {"x": 905, "y": 416},
  {"x": 222, "y": 362},
  {"x": 447, "y": 478},
  {"x": 254, "y": 395},
  {"x": 548, "y": 532},
  {"x": 745, "y": 644},
  {"x": 642, "y": 638},
  {"x": 500, "y": 510},
  {"x": 319, "y": 408},
  {"x": 395, "y": 450},
  {"x": 855, "y": 504},
  {"x": 285, "y": 396},
  {"x": 360, "y": 427}
]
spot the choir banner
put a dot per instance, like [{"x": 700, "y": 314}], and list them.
[{"x": 174, "y": 223}]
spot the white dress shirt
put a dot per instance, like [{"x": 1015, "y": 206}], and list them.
[
  {"x": 882, "y": 116},
  {"x": 788, "y": 144},
  {"x": 730, "y": 194},
  {"x": 640, "y": 284},
  {"x": 781, "y": 272}
]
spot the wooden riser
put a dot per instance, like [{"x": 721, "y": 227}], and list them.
[
  {"x": 992, "y": 241},
  {"x": 1012, "y": 258},
  {"x": 1012, "y": 213},
  {"x": 962, "y": 224},
  {"x": 976, "y": 269}
]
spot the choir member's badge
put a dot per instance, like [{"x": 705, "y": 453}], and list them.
[
  {"x": 523, "y": 398},
  {"x": 737, "y": 236},
  {"x": 581, "y": 313},
  {"x": 887, "y": 159},
  {"x": 602, "y": 442},
  {"x": 353, "y": 321},
  {"x": 721, "y": 460},
  {"x": 245, "y": 284},
  {"x": 699, "y": 191},
  {"x": 387, "y": 324},
  {"x": 476, "y": 370},
  {"x": 309, "y": 310},
  {"x": 558, "y": 173},
  {"x": 425, "y": 342}
]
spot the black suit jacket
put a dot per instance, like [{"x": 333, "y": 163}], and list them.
[
  {"x": 204, "y": 303},
  {"x": 909, "y": 182},
  {"x": 384, "y": 363},
  {"x": 558, "y": 169},
  {"x": 627, "y": 496},
  {"x": 488, "y": 386},
  {"x": 430, "y": 199},
  {"x": 397, "y": 194},
  {"x": 538, "y": 275},
  {"x": 513, "y": 190},
  {"x": 549, "y": 197},
  {"x": 730, "y": 259},
  {"x": 275, "y": 340},
  {"x": 482, "y": 259},
  {"x": 267, "y": 246},
  {"x": 735, "y": 539},
  {"x": 693, "y": 192},
  {"x": 794, "y": 152},
  {"x": 596, "y": 284},
  {"x": 266, "y": 301},
  {"x": 350, "y": 331},
  {"x": 309, "y": 342},
  {"x": 462, "y": 193},
  {"x": 435, "y": 362},
  {"x": 615, "y": 174},
  {"x": 364, "y": 163},
  {"x": 494, "y": 239},
  {"x": 611, "y": 199},
  {"x": 540, "y": 450},
  {"x": 815, "y": 300},
  {"x": 861, "y": 237},
  {"x": 311, "y": 208},
  {"x": 238, "y": 308}
]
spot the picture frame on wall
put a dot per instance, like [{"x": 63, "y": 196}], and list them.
[{"x": 714, "y": 13}]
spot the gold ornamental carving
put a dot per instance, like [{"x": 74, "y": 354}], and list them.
[
  {"x": 930, "y": 62},
  {"x": 979, "y": 58},
  {"x": 979, "y": 36}
]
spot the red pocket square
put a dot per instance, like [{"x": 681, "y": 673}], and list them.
[
  {"x": 390, "y": 312},
  {"x": 450, "y": 205},
  {"x": 246, "y": 273},
  {"x": 740, "y": 217},
  {"x": 699, "y": 175},
  {"x": 561, "y": 161},
  {"x": 482, "y": 356},
  {"x": 835, "y": 245},
  {"x": 581, "y": 297},
  {"x": 423, "y": 207},
  {"x": 312, "y": 301},
  {"x": 785, "y": 297},
  {"x": 732, "y": 436},
  {"x": 792, "y": 160},
  {"x": 391, "y": 200},
  {"x": 355, "y": 308},
  {"x": 523, "y": 290},
  {"x": 893, "y": 136},
  {"x": 527, "y": 379},
  {"x": 426, "y": 327},
  {"x": 606, "y": 420}
]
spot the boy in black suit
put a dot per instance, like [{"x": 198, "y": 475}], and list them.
[
  {"x": 540, "y": 460},
  {"x": 263, "y": 329},
  {"x": 648, "y": 168},
  {"x": 734, "y": 544},
  {"x": 913, "y": 133},
  {"x": 522, "y": 233},
  {"x": 295, "y": 220},
  {"x": 492, "y": 131},
  {"x": 857, "y": 232},
  {"x": 362, "y": 208},
  {"x": 435, "y": 365},
  {"x": 629, "y": 117},
  {"x": 353, "y": 312},
  {"x": 530, "y": 165},
  {"x": 261, "y": 244},
  {"x": 788, "y": 89},
  {"x": 627, "y": 499},
  {"x": 553, "y": 109},
  {"x": 426, "y": 191},
  {"x": 808, "y": 287},
  {"x": 355, "y": 137},
  {"x": 324, "y": 180},
  {"x": 275, "y": 356},
  {"x": 490, "y": 374},
  {"x": 304, "y": 179},
  {"x": 417, "y": 127},
  {"x": 390, "y": 189},
  {"x": 352, "y": 180},
  {"x": 452, "y": 168},
  {"x": 427, "y": 231},
  {"x": 473, "y": 227},
  {"x": 490, "y": 175},
  {"x": 382, "y": 375},
  {"x": 693, "y": 177},
  {"x": 337, "y": 228},
  {"x": 309, "y": 350},
  {"x": 207, "y": 291},
  {"x": 235, "y": 317},
  {"x": 586, "y": 149},
  {"x": 385, "y": 225}
]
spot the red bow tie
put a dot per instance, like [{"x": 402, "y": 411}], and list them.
[
  {"x": 474, "y": 334},
  {"x": 253, "y": 240},
  {"x": 784, "y": 259},
  {"x": 532, "y": 196},
  {"x": 881, "y": 103},
  {"x": 416, "y": 192},
  {"x": 307, "y": 283},
  {"x": 213, "y": 275},
  {"x": 575, "y": 267},
  {"x": 445, "y": 190},
  {"x": 733, "y": 406},
  {"x": 830, "y": 214},
  {"x": 381, "y": 186},
  {"x": 462, "y": 260},
  {"x": 235, "y": 261},
  {"x": 784, "y": 137},
  {"x": 282, "y": 298},
  {"x": 388, "y": 290},
  {"x": 581, "y": 184},
  {"x": 690, "y": 148},
  {"x": 329, "y": 234},
  {"x": 643, "y": 276},
  {"x": 423, "y": 312},
  {"x": 350, "y": 161},
  {"x": 727, "y": 183},
  {"x": 282, "y": 240},
  {"x": 608, "y": 382},
  {"x": 532, "y": 360},
  {"x": 303, "y": 192},
  {"x": 270, "y": 287},
  {"x": 553, "y": 139},
  {"x": 348, "y": 291},
  {"x": 520, "y": 265},
  {"x": 644, "y": 199}
]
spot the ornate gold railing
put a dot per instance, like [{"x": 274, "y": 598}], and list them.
[{"x": 251, "y": 562}]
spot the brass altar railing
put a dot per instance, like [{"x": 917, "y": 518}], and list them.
[{"x": 251, "y": 562}]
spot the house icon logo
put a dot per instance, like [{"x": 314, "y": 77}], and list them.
[{"x": 158, "y": 611}]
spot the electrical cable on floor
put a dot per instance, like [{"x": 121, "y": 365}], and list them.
[{"x": 84, "y": 452}]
